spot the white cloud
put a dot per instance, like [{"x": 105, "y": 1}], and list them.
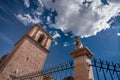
[
  {"x": 66, "y": 34},
  {"x": 34, "y": 17},
  {"x": 27, "y": 3},
  {"x": 66, "y": 44},
  {"x": 48, "y": 19},
  {"x": 118, "y": 34},
  {"x": 56, "y": 43},
  {"x": 55, "y": 35},
  {"x": 81, "y": 19},
  {"x": 114, "y": 1},
  {"x": 27, "y": 19},
  {"x": 41, "y": 3},
  {"x": 72, "y": 36}
]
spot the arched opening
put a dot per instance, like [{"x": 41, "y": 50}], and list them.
[{"x": 41, "y": 38}]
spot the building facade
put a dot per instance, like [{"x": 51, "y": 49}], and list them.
[{"x": 28, "y": 54}]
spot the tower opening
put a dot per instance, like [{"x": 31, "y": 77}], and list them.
[{"x": 41, "y": 38}]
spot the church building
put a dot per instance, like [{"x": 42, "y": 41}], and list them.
[{"x": 28, "y": 55}]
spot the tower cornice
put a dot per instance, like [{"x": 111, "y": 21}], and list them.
[
  {"x": 41, "y": 29},
  {"x": 81, "y": 51}
]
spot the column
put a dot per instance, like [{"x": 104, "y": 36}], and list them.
[{"x": 82, "y": 60}]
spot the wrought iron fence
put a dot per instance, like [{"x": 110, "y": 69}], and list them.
[
  {"x": 103, "y": 70},
  {"x": 59, "y": 72}
]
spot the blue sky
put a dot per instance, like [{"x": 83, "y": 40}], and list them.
[{"x": 98, "y": 23}]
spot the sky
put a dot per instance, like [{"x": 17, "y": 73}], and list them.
[{"x": 97, "y": 22}]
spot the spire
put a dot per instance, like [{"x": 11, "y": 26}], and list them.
[{"x": 78, "y": 43}]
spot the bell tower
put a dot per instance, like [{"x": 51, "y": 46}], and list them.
[
  {"x": 28, "y": 55},
  {"x": 40, "y": 36}
]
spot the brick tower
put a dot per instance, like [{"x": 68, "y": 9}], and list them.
[{"x": 28, "y": 54}]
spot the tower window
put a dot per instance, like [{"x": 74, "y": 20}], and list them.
[
  {"x": 27, "y": 58},
  {"x": 41, "y": 38}
]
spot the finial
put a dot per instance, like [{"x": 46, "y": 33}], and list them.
[{"x": 78, "y": 43}]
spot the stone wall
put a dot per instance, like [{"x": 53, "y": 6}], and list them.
[{"x": 27, "y": 58}]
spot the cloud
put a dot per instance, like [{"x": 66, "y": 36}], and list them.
[
  {"x": 66, "y": 44},
  {"x": 33, "y": 16},
  {"x": 48, "y": 19},
  {"x": 27, "y": 3},
  {"x": 66, "y": 34},
  {"x": 114, "y": 1},
  {"x": 82, "y": 19},
  {"x": 56, "y": 43},
  {"x": 55, "y": 35},
  {"x": 41, "y": 3},
  {"x": 77, "y": 16},
  {"x": 118, "y": 34},
  {"x": 27, "y": 19}
]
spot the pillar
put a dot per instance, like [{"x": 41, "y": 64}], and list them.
[{"x": 82, "y": 60}]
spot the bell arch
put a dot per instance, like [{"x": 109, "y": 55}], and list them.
[{"x": 41, "y": 38}]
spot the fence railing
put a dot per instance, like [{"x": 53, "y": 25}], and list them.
[
  {"x": 103, "y": 70},
  {"x": 59, "y": 72}
]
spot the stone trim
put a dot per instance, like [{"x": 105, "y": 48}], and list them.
[{"x": 82, "y": 51}]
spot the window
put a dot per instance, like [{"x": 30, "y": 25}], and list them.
[
  {"x": 41, "y": 38},
  {"x": 27, "y": 58}
]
